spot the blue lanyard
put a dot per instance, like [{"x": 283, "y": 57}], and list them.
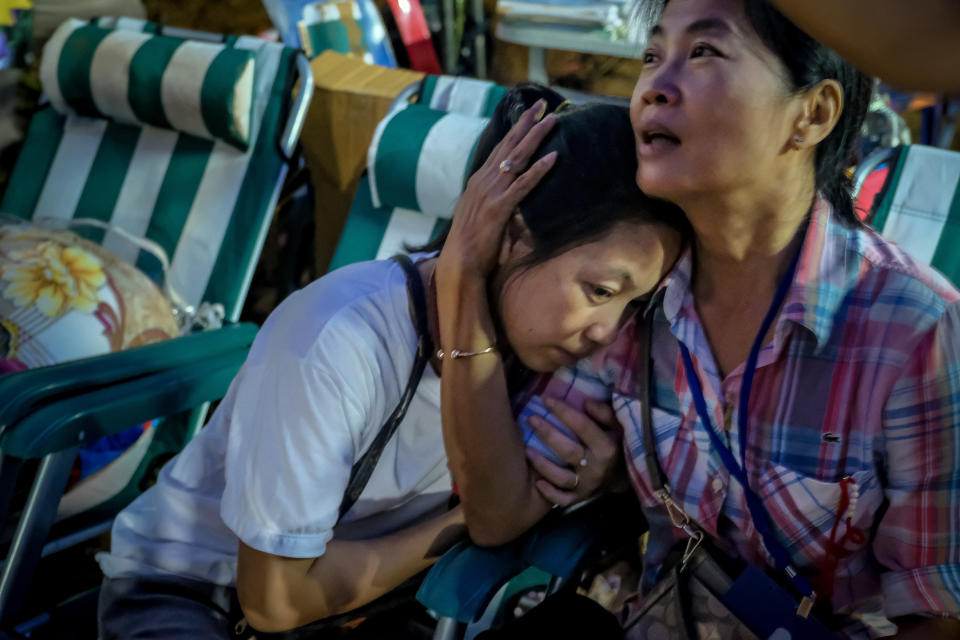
[{"x": 758, "y": 513}]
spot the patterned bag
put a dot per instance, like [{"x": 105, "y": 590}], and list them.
[{"x": 685, "y": 605}]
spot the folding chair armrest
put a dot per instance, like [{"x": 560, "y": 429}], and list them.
[
  {"x": 562, "y": 545},
  {"x": 298, "y": 111},
  {"x": 24, "y": 392},
  {"x": 80, "y": 418},
  {"x": 465, "y": 579}
]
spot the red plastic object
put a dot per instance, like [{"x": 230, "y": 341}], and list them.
[
  {"x": 868, "y": 192},
  {"x": 408, "y": 15}
]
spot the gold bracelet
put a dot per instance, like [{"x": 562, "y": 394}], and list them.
[{"x": 457, "y": 353}]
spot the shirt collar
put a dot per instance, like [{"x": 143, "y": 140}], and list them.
[
  {"x": 827, "y": 270},
  {"x": 829, "y": 267}
]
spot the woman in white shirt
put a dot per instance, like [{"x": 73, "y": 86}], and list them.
[{"x": 249, "y": 511}]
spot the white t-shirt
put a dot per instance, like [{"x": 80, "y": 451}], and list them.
[{"x": 325, "y": 372}]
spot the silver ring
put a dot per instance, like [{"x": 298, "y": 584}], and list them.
[
  {"x": 505, "y": 166},
  {"x": 583, "y": 461}
]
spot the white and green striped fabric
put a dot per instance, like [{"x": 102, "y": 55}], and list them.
[
  {"x": 419, "y": 158},
  {"x": 461, "y": 95},
  {"x": 206, "y": 203},
  {"x": 920, "y": 209},
  {"x": 372, "y": 233},
  {"x": 140, "y": 78},
  {"x": 417, "y": 166}
]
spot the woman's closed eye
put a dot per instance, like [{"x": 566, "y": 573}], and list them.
[{"x": 598, "y": 293}]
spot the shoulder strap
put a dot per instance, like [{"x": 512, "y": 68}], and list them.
[
  {"x": 363, "y": 468},
  {"x": 645, "y": 339}
]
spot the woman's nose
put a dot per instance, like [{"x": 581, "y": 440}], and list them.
[
  {"x": 603, "y": 331},
  {"x": 661, "y": 87}
]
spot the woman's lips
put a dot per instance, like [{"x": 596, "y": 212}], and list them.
[
  {"x": 654, "y": 138},
  {"x": 657, "y": 143}
]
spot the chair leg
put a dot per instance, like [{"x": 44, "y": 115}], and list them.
[
  {"x": 9, "y": 470},
  {"x": 556, "y": 583},
  {"x": 448, "y": 629},
  {"x": 32, "y": 530},
  {"x": 195, "y": 421}
]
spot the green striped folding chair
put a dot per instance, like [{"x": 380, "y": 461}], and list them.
[
  {"x": 178, "y": 137},
  {"x": 416, "y": 167},
  {"x": 919, "y": 205}
]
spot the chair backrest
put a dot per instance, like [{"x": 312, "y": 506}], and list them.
[
  {"x": 417, "y": 166},
  {"x": 175, "y": 136},
  {"x": 919, "y": 207},
  {"x": 460, "y": 95}
]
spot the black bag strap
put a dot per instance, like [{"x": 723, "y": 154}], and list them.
[
  {"x": 658, "y": 478},
  {"x": 363, "y": 468}
]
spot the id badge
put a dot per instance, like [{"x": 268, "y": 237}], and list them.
[{"x": 768, "y": 610}]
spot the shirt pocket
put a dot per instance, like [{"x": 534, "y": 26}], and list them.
[{"x": 803, "y": 510}]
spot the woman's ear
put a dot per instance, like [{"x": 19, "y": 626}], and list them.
[
  {"x": 823, "y": 104},
  {"x": 517, "y": 241}
]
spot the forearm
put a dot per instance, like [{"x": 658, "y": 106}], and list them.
[
  {"x": 910, "y": 45},
  {"x": 484, "y": 446},
  {"x": 282, "y": 593},
  {"x": 916, "y": 628}
]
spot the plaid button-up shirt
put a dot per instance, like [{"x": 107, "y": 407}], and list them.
[{"x": 861, "y": 381}]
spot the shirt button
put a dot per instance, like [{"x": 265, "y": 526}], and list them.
[
  {"x": 717, "y": 485},
  {"x": 727, "y": 416}
]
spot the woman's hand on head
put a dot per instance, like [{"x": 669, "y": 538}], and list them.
[
  {"x": 492, "y": 195},
  {"x": 595, "y": 462}
]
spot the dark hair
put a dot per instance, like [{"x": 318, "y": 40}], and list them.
[
  {"x": 807, "y": 62},
  {"x": 592, "y": 185}
]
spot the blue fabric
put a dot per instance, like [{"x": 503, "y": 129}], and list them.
[{"x": 99, "y": 453}]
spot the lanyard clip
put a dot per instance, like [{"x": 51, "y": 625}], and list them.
[
  {"x": 678, "y": 517},
  {"x": 693, "y": 542},
  {"x": 806, "y": 605}
]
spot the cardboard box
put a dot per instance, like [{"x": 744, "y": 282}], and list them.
[{"x": 350, "y": 98}]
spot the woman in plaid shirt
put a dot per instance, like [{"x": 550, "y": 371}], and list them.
[{"x": 851, "y": 437}]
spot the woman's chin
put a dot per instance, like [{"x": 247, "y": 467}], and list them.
[
  {"x": 658, "y": 184},
  {"x": 540, "y": 365},
  {"x": 539, "y": 362}
]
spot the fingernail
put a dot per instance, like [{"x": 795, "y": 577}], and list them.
[
  {"x": 549, "y": 402},
  {"x": 542, "y": 111}
]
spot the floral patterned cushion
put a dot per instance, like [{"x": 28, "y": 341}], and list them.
[{"x": 63, "y": 298}]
